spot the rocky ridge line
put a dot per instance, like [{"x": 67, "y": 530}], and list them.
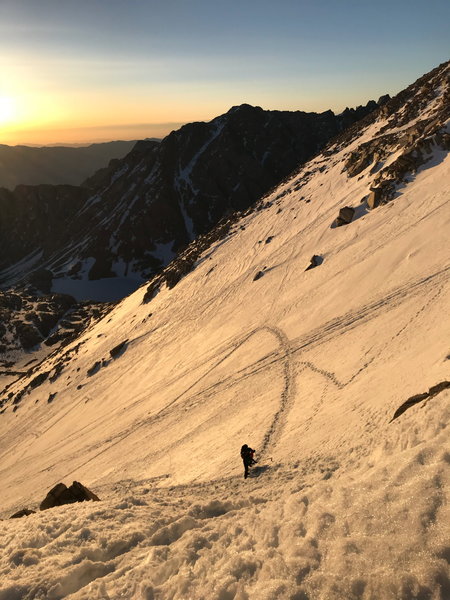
[{"x": 146, "y": 207}]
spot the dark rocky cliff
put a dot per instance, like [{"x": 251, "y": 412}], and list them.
[{"x": 136, "y": 214}]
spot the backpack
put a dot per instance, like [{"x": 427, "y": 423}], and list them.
[{"x": 246, "y": 452}]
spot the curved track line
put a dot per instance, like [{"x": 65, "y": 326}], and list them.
[
  {"x": 287, "y": 397},
  {"x": 274, "y": 431}
]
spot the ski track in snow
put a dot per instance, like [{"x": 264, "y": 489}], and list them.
[
  {"x": 288, "y": 350},
  {"x": 372, "y": 309}
]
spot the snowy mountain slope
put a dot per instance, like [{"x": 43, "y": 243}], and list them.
[{"x": 308, "y": 367}]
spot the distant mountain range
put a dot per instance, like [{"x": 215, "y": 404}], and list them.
[
  {"x": 56, "y": 165},
  {"x": 130, "y": 219}
]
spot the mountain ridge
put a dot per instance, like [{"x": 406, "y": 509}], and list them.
[
  {"x": 147, "y": 206},
  {"x": 56, "y": 165}
]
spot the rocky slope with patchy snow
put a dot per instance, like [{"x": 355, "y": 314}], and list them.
[
  {"x": 240, "y": 341},
  {"x": 130, "y": 219},
  {"x": 29, "y": 321}
]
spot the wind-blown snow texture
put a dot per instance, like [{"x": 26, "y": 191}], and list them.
[{"x": 306, "y": 367}]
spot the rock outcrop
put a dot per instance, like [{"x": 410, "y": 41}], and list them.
[
  {"x": 345, "y": 216},
  {"x": 117, "y": 349},
  {"x": 61, "y": 494},
  {"x": 25, "y": 512},
  {"x": 411, "y": 140},
  {"x": 375, "y": 196},
  {"x": 433, "y": 391},
  {"x": 28, "y": 319},
  {"x": 94, "y": 369},
  {"x": 314, "y": 262}
]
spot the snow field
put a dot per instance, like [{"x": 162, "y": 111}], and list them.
[
  {"x": 291, "y": 532},
  {"x": 307, "y": 367}
]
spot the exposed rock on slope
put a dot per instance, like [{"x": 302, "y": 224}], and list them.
[
  {"x": 416, "y": 121},
  {"x": 433, "y": 391},
  {"x": 61, "y": 494},
  {"x": 27, "y": 320},
  {"x": 345, "y": 216},
  {"x": 34, "y": 221}
]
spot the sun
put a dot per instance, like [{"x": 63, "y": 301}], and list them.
[{"x": 8, "y": 109}]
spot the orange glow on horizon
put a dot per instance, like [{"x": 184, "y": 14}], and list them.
[
  {"x": 85, "y": 135},
  {"x": 41, "y": 119},
  {"x": 32, "y": 111},
  {"x": 81, "y": 102}
]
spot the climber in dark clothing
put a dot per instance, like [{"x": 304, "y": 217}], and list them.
[{"x": 247, "y": 456}]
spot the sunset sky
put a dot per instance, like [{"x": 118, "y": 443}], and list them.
[{"x": 97, "y": 70}]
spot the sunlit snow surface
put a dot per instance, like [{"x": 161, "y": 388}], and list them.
[{"x": 306, "y": 367}]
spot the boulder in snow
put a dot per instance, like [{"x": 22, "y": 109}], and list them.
[
  {"x": 433, "y": 391},
  {"x": 61, "y": 494},
  {"x": 410, "y": 402},
  {"x": 315, "y": 262},
  {"x": 117, "y": 349},
  {"x": 95, "y": 367},
  {"x": 345, "y": 216},
  {"x": 374, "y": 198},
  {"x": 438, "y": 388},
  {"x": 22, "y": 513}
]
